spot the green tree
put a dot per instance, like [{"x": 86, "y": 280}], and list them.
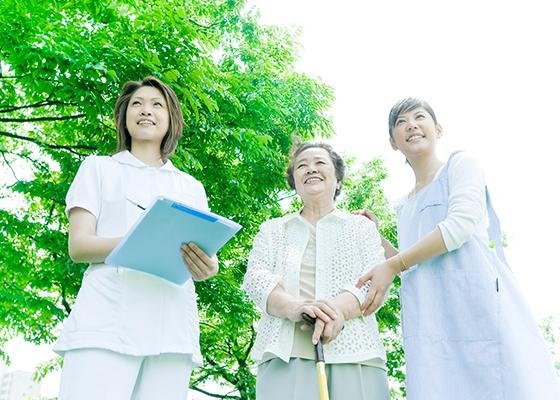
[
  {"x": 362, "y": 189},
  {"x": 62, "y": 64}
]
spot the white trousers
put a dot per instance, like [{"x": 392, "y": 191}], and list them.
[{"x": 98, "y": 374}]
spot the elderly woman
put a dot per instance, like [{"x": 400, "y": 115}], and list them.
[{"x": 309, "y": 262}]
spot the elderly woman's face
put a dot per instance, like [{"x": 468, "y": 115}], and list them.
[{"x": 314, "y": 174}]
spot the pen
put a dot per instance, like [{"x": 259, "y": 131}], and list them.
[{"x": 136, "y": 204}]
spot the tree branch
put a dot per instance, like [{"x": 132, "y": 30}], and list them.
[
  {"x": 24, "y": 156},
  {"x": 63, "y": 300},
  {"x": 9, "y": 165},
  {"x": 66, "y": 117},
  {"x": 14, "y": 77},
  {"x": 192, "y": 21},
  {"x": 218, "y": 396},
  {"x": 251, "y": 342},
  {"x": 200, "y": 378},
  {"x": 42, "y": 103},
  {"x": 222, "y": 372},
  {"x": 288, "y": 196},
  {"x": 50, "y": 146}
]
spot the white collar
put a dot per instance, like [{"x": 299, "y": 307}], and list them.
[
  {"x": 127, "y": 158},
  {"x": 334, "y": 214}
]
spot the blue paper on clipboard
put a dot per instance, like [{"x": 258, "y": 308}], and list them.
[{"x": 152, "y": 245}]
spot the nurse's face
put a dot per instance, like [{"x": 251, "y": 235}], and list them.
[
  {"x": 415, "y": 133},
  {"x": 147, "y": 116}
]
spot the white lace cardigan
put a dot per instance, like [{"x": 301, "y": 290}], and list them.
[{"x": 347, "y": 246}]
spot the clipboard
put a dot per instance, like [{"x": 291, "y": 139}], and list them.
[{"x": 153, "y": 244}]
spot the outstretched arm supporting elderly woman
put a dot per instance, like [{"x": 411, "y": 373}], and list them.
[
  {"x": 388, "y": 248},
  {"x": 381, "y": 276}
]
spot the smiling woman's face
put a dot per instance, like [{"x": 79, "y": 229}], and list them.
[
  {"x": 415, "y": 133},
  {"x": 147, "y": 116},
  {"x": 314, "y": 175}
]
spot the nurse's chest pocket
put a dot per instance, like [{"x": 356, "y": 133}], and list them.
[
  {"x": 427, "y": 206},
  {"x": 430, "y": 214}
]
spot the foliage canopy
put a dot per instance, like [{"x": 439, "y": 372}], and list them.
[{"x": 62, "y": 66}]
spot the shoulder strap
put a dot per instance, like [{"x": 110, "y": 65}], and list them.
[
  {"x": 451, "y": 156},
  {"x": 494, "y": 229}
]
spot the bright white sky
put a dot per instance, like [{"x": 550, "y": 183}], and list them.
[{"x": 490, "y": 71}]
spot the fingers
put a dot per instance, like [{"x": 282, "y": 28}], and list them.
[
  {"x": 201, "y": 255},
  {"x": 368, "y": 276},
  {"x": 328, "y": 322},
  {"x": 317, "y": 310},
  {"x": 317, "y": 331},
  {"x": 199, "y": 264},
  {"x": 369, "y": 215},
  {"x": 191, "y": 261},
  {"x": 327, "y": 331},
  {"x": 369, "y": 299},
  {"x": 375, "y": 304},
  {"x": 328, "y": 309},
  {"x": 366, "y": 213}
]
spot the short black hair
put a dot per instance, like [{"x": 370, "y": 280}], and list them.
[{"x": 406, "y": 105}]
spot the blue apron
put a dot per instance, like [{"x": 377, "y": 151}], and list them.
[{"x": 468, "y": 333}]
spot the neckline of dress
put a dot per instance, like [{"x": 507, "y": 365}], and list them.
[{"x": 413, "y": 194}]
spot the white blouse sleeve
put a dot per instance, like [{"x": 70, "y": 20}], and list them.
[
  {"x": 85, "y": 190},
  {"x": 467, "y": 201},
  {"x": 259, "y": 280},
  {"x": 371, "y": 252},
  {"x": 202, "y": 199}
]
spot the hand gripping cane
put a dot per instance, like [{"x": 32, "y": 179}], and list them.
[{"x": 319, "y": 361}]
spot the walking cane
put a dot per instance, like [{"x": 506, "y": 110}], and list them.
[{"x": 319, "y": 361}]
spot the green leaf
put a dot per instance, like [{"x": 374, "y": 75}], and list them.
[{"x": 171, "y": 75}]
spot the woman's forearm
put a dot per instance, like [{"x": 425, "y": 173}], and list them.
[
  {"x": 280, "y": 303},
  {"x": 90, "y": 248},
  {"x": 283, "y": 305},
  {"x": 83, "y": 243},
  {"x": 348, "y": 304},
  {"x": 432, "y": 245}
]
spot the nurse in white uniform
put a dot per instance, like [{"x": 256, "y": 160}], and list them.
[{"x": 131, "y": 335}]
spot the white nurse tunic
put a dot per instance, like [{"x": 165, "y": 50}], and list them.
[{"x": 119, "y": 309}]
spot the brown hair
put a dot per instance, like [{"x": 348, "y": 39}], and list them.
[
  {"x": 175, "y": 131},
  {"x": 406, "y": 105},
  {"x": 337, "y": 161}
]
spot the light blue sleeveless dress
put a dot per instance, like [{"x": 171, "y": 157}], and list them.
[{"x": 468, "y": 333}]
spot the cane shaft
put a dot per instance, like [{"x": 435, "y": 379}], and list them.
[
  {"x": 319, "y": 362},
  {"x": 322, "y": 377}
]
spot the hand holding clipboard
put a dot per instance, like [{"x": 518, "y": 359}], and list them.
[
  {"x": 153, "y": 243},
  {"x": 199, "y": 264}
]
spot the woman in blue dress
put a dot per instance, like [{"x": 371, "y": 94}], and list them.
[{"x": 468, "y": 334}]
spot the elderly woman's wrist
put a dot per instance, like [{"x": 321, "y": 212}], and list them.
[
  {"x": 290, "y": 310},
  {"x": 347, "y": 305}
]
